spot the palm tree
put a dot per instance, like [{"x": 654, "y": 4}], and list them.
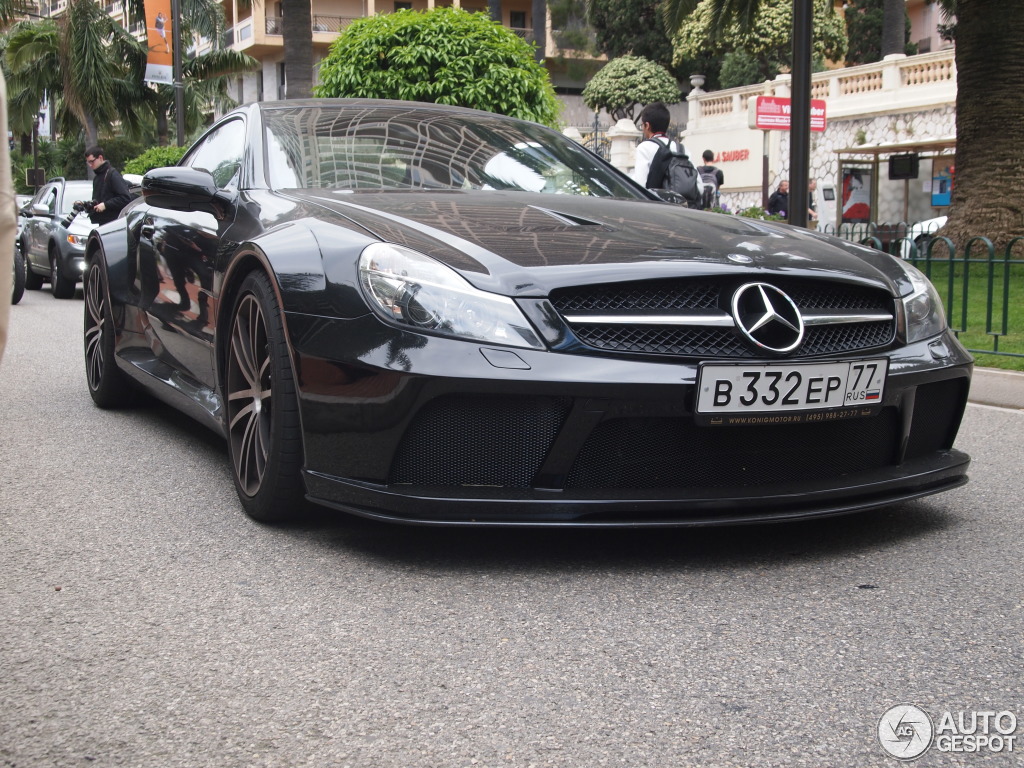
[
  {"x": 298, "y": 48},
  {"x": 989, "y": 184},
  {"x": 539, "y": 12},
  {"x": 80, "y": 56},
  {"x": 93, "y": 69}
]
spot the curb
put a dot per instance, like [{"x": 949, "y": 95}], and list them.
[{"x": 994, "y": 386}]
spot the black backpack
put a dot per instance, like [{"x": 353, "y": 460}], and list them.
[
  {"x": 678, "y": 175},
  {"x": 709, "y": 177}
]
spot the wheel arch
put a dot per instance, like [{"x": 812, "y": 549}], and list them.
[{"x": 112, "y": 249}]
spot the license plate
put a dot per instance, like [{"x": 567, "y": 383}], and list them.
[{"x": 791, "y": 391}]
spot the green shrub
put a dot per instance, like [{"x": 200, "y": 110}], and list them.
[
  {"x": 628, "y": 81},
  {"x": 157, "y": 157},
  {"x": 441, "y": 56}
]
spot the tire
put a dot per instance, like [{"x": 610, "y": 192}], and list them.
[
  {"x": 264, "y": 433},
  {"x": 18, "y": 283},
  {"x": 33, "y": 282},
  {"x": 60, "y": 286},
  {"x": 108, "y": 384}
]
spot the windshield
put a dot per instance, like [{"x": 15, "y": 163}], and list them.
[{"x": 362, "y": 147}]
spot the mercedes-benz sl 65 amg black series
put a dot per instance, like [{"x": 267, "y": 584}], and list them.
[{"x": 437, "y": 315}]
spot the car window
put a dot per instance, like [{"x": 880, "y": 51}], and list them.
[
  {"x": 221, "y": 154},
  {"x": 48, "y": 197},
  {"x": 400, "y": 148},
  {"x": 75, "y": 191}
]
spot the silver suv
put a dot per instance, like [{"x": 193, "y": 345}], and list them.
[{"x": 55, "y": 253}]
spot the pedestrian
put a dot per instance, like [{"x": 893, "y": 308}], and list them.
[
  {"x": 654, "y": 120},
  {"x": 712, "y": 178},
  {"x": 812, "y": 202},
  {"x": 109, "y": 191},
  {"x": 778, "y": 203}
]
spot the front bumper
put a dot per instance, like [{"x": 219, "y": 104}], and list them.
[{"x": 436, "y": 431}]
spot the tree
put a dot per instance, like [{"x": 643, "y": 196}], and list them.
[
  {"x": 768, "y": 40},
  {"x": 297, "y": 31},
  {"x": 865, "y": 27},
  {"x": 637, "y": 28},
  {"x": 92, "y": 69},
  {"x": 988, "y": 194},
  {"x": 444, "y": 56},
  {"x": 628, "y": 81},
  {"x": 82, "y": 56},
  {"x": 631, "y": 28}
]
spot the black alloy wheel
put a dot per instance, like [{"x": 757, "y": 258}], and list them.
[
  {"x": 264, "y": 435},
  {"x": 108, "y": 385},
  {"x": 60, "y": 286}
]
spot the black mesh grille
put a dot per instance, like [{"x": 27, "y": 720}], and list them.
[
  {"x": 824, "y": 340},
  {"x": 937, "y": 410},
  {"x": 638, "y": 297},
  {"x": 681, "y": 296},
  {"x": 479, "y": 440},
  {"x": 673, "y": 453},
  {"x": 662, "y": 340}
]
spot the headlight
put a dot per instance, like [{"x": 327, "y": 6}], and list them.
[
  {"x": 923, "y": 307},
  {"x": 78, "y": 240},
  {"x": 413, "y": 290}
]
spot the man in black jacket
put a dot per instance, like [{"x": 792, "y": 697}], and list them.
[
  {"x": 778, "y": 203},
  {"x": 109, "y": 191}
]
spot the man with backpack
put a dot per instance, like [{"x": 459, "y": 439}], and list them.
[
  {"x": 712, "y": 178},
  {"x": 662, "y": 163}
]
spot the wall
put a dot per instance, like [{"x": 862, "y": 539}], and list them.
[{"x": 898, "y": 100}]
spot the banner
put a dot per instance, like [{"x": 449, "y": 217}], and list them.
[{"x": 160, "y": 38}]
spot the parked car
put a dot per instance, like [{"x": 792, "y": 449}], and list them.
[
  {"x": 919, "y": 235},
  {"x": 425, "y": 313},
  {"x": 18, "y": 278},
  {"x": 55, "y": 252}
]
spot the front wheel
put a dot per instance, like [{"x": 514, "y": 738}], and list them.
[
  {"x": 33, "y": 282},
  {"x": 18, "y": 283},
  {"x": 108, "y": 384},
  {"x": 60, "y": 286},
  {"x": 264, "y": 434}
]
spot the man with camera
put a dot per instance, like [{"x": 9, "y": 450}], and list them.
[{"x": 109, "y": 191}]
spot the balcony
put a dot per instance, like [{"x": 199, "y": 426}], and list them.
[{"x": 327, "y": 24}]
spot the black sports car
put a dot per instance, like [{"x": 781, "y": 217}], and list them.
[{"x": 425, "y": 313}]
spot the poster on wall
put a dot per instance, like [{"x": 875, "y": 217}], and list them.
[
  {"x": 942, "y": 186},
  {"x": 856, "y": 195},
  {"x": 160, "y": 37}
]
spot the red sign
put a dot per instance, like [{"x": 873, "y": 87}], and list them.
[{"x": 773, "y": 113}]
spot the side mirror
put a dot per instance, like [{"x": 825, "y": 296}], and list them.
[
  {"x": 40, "y": 210},
  {"x": 181, "y": 189}
]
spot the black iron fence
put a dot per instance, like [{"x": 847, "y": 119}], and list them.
[{"x": 982, "y": 286}]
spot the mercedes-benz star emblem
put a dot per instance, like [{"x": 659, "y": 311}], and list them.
[{"x": 767, "y": 317}]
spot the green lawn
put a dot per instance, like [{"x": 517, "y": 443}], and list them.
[{"x": 993, "y": 296}]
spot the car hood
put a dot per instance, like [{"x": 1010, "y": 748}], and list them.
[{"x": 527, "y": 244}]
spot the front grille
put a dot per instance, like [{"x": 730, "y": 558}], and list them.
[
  {"x": 650, "y": 453},
  {"x": 629, "y": 300},
  {"x": 490, "y": 440}
]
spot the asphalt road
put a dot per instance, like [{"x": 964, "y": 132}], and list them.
[{"x": 147, "y": 622}]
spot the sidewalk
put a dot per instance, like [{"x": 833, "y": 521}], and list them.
[{"x": 993, "y": 386}]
